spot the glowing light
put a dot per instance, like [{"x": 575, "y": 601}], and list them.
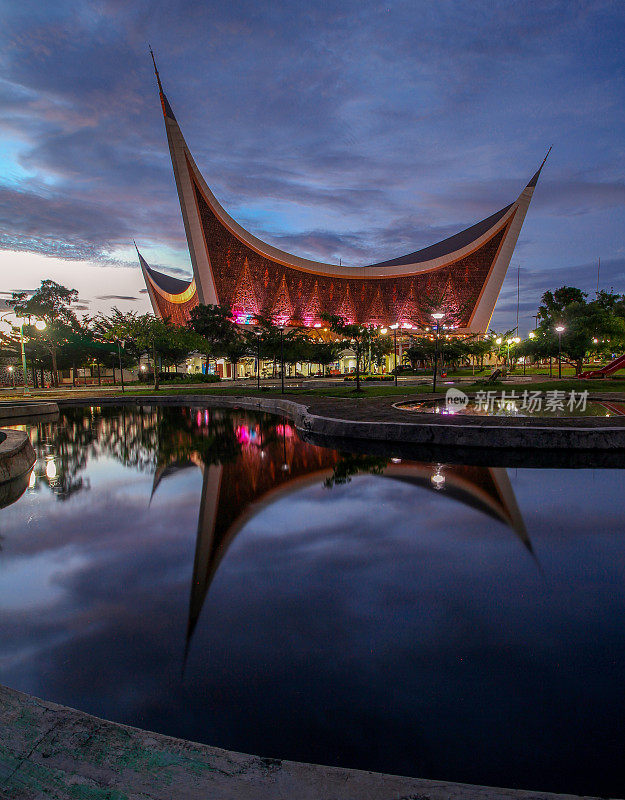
[
  {"x": 383, "y": 331},
  {"x": 51, "y": 469},
  {"x": 10, "y": 369},
  {"x": 243, "y": 434},
  {"x": 317, "y": 325},
  {"x": 532, "y": 334},
  {"x": 560, "y": 328},
  {"x": 285, "y": 430},
  {"x": 437, "y": 315},
  {"x": 41, "y": 325},
  {"x": 406, "y": 325},
  {"x": 32, "y": 480},
  {"x": 396, "y": 460},
  {"x": 437, "y": 479},
  {"x": 498, "y": 340},
  {"x": 394, "y": 327}
]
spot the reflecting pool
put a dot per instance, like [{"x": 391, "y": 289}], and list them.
[{"x": 209, "y": 575}]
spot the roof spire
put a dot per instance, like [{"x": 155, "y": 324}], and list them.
[
  {"x": 167, "y": 112},
  {"x": 534, "y": 180},
  {"x": 158, "y": 78}
]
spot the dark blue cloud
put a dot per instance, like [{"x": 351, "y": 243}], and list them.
[{"x": 347, "y": 130}]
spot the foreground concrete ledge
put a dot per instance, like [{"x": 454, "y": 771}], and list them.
[
  {"x": 16, "y": 455},
  {"x": 11, "y": 412},
  {"x": 331, "y": 418},
  {"x": 51, "y": 751}
]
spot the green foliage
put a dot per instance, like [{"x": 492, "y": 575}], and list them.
[
  {"x": 52, "y": 303},
  {"x": 215, "y": 326},
  {"x": 590, "y": 327},
  {"x": 179, "y": 377},
  {"x": 357, "y": 337},
  {"x": 351, "y": 464}
]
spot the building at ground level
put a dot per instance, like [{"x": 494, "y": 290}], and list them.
[{"x": 460, "y": 276}]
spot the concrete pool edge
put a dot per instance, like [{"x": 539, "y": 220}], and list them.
[
  {"x": 10, "y": 411},
  {"x": 320, "y": 419},
  {"x": 17, "y": 455},
  {"x": 49, "y": 750}
]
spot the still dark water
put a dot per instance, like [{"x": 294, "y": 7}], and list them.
[{"x": 208, "y": 575}]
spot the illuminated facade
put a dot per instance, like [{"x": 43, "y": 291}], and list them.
[{"x": 461, "y": 275}]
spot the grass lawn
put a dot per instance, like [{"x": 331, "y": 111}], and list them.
[{"x": 339, "y": 389}]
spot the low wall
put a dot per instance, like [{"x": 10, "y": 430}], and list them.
[
  {"x": 47, "y": 750},
  {"x": 16, "y": 455},
  {"x": 12, "y": 412}
]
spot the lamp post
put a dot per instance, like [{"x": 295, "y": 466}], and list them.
[
  {"x": 19, "y": 323},
  {"x": 437, "y": 316},
  {"x": 258, "y": 335},
  {"x": 560, "y": 329},
  {"x": 121, "y": 369},
  {"x": 394, "y": 329},
  {"x": 514, "y": 340},
  {"x": 282, "y": 356}
]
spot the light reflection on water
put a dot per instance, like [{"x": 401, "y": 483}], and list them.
[{"x": 209, "y": 575}]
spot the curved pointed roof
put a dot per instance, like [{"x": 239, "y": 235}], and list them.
[{"x": 472, "y": 262}]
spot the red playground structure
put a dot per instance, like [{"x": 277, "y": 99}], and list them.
[{"x": 613, "y": 366}]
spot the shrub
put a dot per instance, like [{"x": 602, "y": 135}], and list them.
[{"x": 178, "y": 377}]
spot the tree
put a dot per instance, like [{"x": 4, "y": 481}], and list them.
[
  {"x": 587, "y": 325},
  {"x": 356, "y": 335},
  {"x": 216, "y": 326},
  {"x": 322, "y": 353},
  {"x": 52, "y": 303}
]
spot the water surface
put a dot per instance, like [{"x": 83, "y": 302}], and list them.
[{"x": 208, "y": 575}]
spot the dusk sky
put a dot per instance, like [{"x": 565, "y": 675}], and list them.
[{"x": 341, "y": 130}]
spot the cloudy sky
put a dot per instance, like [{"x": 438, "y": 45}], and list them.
[{"x": 346, "y": 129}]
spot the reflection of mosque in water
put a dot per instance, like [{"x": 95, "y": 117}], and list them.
[
  {"x": 248, "y": 460},
  {"x": 273, "y": 462}
]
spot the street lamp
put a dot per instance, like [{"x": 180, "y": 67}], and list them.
[
  {"x": 121, "y": 344},
  {"x": 258, "y": 334},
  {"x": 12, "y": 375},
  {"x": 560, "y": 329},
  {"x": 437, "y": 316},
  {"x": 394, "y": 329},
  {"x": 19, "y": 322},
  {"x": 282, "y": 356},
  {"x": 438, "y": 479},
  {"x": 513, "y": 340}
]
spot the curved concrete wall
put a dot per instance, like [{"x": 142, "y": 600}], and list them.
[{"x": 16, "y": 455}]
